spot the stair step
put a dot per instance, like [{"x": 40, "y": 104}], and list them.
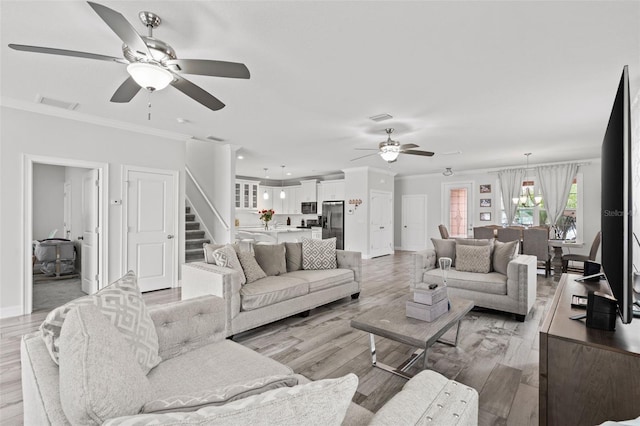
[
  {"x": 194, "y": 255},
  {"x": 196, "y": 243},
  {"x": 187, "y": 209},
  {"x": 192, "y": 226},
  {"x": 193, "y": 234},
  {"x": 190, "y": 217}
]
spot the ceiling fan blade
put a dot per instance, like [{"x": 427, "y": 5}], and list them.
[
  {"x": 126, "y": 91},
  {"x": 63, "y": 52},
  {"x": 209, "y": 67},
  {"x": 197, "y": 93},
  {"x": 364, "y": 156},
  {"x": 121, "y": 27},
  {"x": 408, "y": 146},
  {"x": 416, "y": 152},
  {"x": 366, "y": 149}
]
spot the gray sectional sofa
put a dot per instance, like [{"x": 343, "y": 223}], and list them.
[
  {"x": 287, "y": 291},
  {"x": 204, "y": 378},
  {"x": 513, "y": 292}
]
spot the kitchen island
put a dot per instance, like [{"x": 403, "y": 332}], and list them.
[{"x": 276, "y": 236}]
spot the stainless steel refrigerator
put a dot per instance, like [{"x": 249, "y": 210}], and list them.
[{"x": 333, "y": 222}]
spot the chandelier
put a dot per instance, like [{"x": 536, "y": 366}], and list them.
[{"x": 527, "y": 197}]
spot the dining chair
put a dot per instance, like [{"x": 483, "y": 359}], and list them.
[
  {"x": 444, "y": 233},
  {"x": 483, "y": 232},
  {"x": 569, "y": 257},
  {"x": 535, "y": 241},
  {"x": 509, "y": 234}
]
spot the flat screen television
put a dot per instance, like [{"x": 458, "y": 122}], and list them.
[{"x": 616, "y": 201}]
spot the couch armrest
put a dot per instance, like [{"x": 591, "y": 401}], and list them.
[
  {"x": 189, "y": 324},
  {"x": 350, "y": 260},
  {"x": 423, "y": 260},
  {"x": 201, "y": 278},
  {"x": 521, "y": 281},
  {"x": 429, "y": 397}
]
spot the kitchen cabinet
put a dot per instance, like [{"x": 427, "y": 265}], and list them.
[
  {"x": 246, "y": 195},
  {"x": 308, "y": 191},
  {"x": 316, "y": 233},
  {"x": 262, "y": 203},
  {"x": 293, "y": 196},
  {"x": 332, "y": 190}
]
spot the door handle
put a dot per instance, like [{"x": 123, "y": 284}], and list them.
[
  {"x": 81, "y": 238},
  {"x": 405, "y": 226},
  {"x": 169, "y": 237},
  {"x": 382, "y": 227}
]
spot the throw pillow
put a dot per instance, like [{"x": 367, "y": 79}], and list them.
[
  {"x": 293, "y": 256},
  {"x": 122, "y": 303},
  {"x": 478, "y": 242},
  {"x": 271, "y": 258},
  {"x": 252, "y": 270},
  {"x": 99, "y": 376},
  {"x": 473, "y": 258},
  {"x": 445, "y": 248},
  {"x": 503, "y": 253},
  {"x": 227, "y": 256},
  {"x": 218, "y": 396},
  {"x": 208, "y": 252},
  {"x": 319, "y": 254},
  {"x": 323, "y": 402}
]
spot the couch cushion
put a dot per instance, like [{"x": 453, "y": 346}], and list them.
[
  {"x": 270, "y": 290},
  {"x": 122, "y": 302},
  {"x": 271, "y": 258},
  {"x": 493, "y": 282},
  {"x": 293, "y": 256},
  {"x": 218, "y": 395},
  {"x": 201, "y": 369},
  {"x": 208, "y": 252},
  {"x": 323, "y": 402},
  {"x": 503, "y": 253},
  {"x": 252, "y": 271},
  {"x": 321, "y": 279},
  {"x": 319, "y": 254},
  {"x": 445, "y": 248},
  {"x": 473, "y": 258},
  {"x": 99, "y": 375}
]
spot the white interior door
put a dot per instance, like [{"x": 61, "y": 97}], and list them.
[
  {"x": 90, "y": 248},
  {"x": 414, "y": 222},
  {"x": 381, "y": 225},
  {"x": 458, "y": 209},
  {"x": 151, "y": 230}
]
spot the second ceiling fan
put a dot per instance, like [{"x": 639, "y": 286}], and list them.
[{"x": 389, "y": 150}]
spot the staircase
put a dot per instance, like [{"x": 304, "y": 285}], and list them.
[{"x": 194, "y": 238}]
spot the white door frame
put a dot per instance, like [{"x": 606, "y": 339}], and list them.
[
  {"x": 125, "y": 219},
  {"x": 26, "y": 224},
  {"x": 444, "y": 202}
]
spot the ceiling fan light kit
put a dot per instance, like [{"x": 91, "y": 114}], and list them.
[
  {"x": 389, "y": 153},
  {"x": 149, "y": 76}
]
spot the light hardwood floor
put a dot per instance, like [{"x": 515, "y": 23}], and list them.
[{"x": 496, "y": 355}]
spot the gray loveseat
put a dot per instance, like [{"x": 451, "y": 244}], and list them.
[
  {"x": 196, "y": 357},
  {"x": 274, "y": 297},
  {"x": 513, "y": 292}
]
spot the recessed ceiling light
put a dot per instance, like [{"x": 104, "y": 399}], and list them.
[
  {"x": 182, "y": 120},
  {"x": 381, "y": 117},
  {"x": 288, "y": 173},
  {"x": 240, "y": 157}
]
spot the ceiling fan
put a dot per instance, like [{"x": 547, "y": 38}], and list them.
[
  {"x": 390, "y": 149},
  {"x": 151, "y": 63}
]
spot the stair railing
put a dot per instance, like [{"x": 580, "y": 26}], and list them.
[{"x": 206, "y": 199}]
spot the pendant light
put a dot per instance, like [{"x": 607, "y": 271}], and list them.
[
  {"x": 283, "y": 195},
  {"x": 265, "y": 195}
]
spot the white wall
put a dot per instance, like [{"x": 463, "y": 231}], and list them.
[
  {"x": 432, "y": 186},
  {"x": 24, "y": 132},
  {"x": 48, "y": 200}
]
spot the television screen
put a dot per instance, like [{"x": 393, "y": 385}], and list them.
[{"x": 616, "y": 201}]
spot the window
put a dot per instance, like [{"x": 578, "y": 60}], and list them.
[{"x": 458, "y": 211}]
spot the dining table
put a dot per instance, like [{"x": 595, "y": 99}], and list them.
[{"x": 556, "y": 261}]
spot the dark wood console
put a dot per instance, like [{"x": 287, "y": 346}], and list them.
[{"x": 587, "y": 376}]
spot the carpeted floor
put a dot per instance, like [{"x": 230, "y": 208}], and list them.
[{"x": 50, "y": 294}]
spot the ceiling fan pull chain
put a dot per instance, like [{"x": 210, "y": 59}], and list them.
[{"x": 149, "y": 104}]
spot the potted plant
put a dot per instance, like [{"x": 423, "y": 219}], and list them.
[{"x": 266, "y": 216}]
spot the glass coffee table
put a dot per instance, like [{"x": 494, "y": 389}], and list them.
[{"x": 391, "y": 322}]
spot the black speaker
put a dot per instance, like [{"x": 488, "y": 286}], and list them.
[
  {"x": 601, "y": 311},
  {"x": 591, "y": 268}
]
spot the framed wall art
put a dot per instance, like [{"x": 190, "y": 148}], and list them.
[
  {"x": 485, "y": 216},
  {"x": 485, "y": 189},
  {"x": 485, "y": 202}
]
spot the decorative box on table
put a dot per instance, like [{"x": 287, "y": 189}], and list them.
[{"x": 428, "y": 305}]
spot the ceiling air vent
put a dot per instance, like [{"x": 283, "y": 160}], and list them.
[
  {"x": 56, "y": 103},
  {"x": 380, "y": 117},
  {"x": 215, "y": 138}
]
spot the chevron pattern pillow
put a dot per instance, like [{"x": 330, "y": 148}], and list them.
[
  {"x": 319, "y": 254},
  {"x": 122, "y": 303}
]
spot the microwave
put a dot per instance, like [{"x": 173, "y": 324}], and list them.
[{"x": 309, "y": 207}]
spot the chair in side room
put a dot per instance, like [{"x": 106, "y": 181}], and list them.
[
  {"x": 535, "y": 241},
  {"x": 444, "y": 233},
  {"x": 483, "y": 232},
  {"x": 566, "y": 258},
  {"x": 509, "y": 234}
]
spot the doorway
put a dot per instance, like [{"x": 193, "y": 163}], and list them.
[
  {"x": 414, "y": 222},
  {"x": 53, "y": 209},
  {"x": 457, "y": 205},
  {"x": 381, "y": 228}
]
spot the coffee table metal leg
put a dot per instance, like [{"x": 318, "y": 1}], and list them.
[
  {"x": 455, "y": 342},
  {"x": 400, "y": 371},
  {"x": 372, "y": 345}
]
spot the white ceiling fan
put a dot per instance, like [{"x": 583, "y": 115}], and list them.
[{"x": 151, "y": 63}]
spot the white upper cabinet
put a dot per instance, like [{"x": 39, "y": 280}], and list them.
[
  {"x": 308, "y": 191},
  {"x": 332, "y": 190},
  {"x": 246, "y": 195}
]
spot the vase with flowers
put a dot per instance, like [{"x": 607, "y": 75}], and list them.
[{"x": 266, "y": 216}]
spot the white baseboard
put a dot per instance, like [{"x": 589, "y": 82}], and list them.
[{"x": 11, "y": 311}]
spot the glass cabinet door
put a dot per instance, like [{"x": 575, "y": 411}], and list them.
[{"x": 238, "y": 196}]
